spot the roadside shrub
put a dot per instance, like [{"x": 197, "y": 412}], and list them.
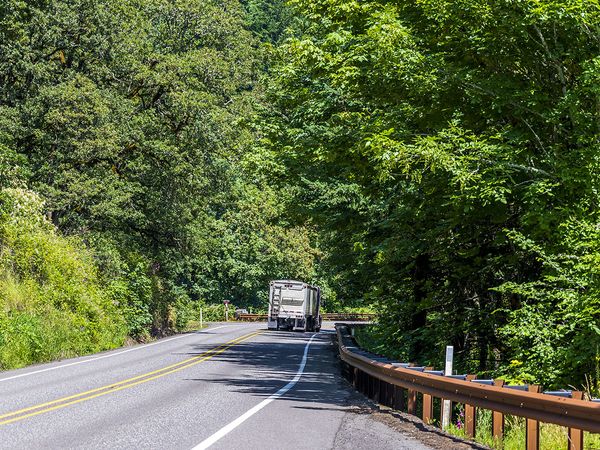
[{"x": 52, "y": 304}]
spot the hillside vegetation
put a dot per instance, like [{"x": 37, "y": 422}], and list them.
[{"x": 52, "y": 301}]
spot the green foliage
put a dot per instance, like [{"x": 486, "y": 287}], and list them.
[
  {"x": 434, "y": 161},
  {"x": 447, "y": 154},
  {"x": 52, "y": 303},
  {"x": 268, "y": 19},
  {"x": 132, "y": 291},
  {"x": 131, "y": 120}
]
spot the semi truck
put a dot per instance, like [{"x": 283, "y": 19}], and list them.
[{"x": 294, "y": 305}]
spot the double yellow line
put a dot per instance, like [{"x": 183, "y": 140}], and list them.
[{"x": 63, "y": 402}]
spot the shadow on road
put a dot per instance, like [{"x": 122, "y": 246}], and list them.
[{"x": 262, "y": 368}]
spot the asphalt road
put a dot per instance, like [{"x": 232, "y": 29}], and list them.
[{"x": 231, "y": 386}]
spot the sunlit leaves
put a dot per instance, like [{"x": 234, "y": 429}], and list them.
[{"x": 470, "y": 129}]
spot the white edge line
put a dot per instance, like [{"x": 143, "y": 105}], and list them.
[
  {"x": 139, "y": 347},
  {"x": 237, "y": 422}
]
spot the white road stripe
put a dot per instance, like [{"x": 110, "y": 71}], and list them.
[
  {"x": 140, "y": 347},
  {"x": 237, "y": 422}
]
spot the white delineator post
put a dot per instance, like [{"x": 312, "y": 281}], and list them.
[
  {"x": 447, "y": 405},
  {"x": 201, "y": 318},
  {"x": 226, "y": 310}
]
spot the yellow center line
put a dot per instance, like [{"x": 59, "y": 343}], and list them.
[
  {"x": 124, "y": 384},
  {"x": 109, "y": 386}
]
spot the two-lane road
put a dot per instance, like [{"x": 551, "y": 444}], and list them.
[{"x": 228, "y": 386}]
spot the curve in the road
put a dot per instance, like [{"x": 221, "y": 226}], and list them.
[{"x": 237, "y": 422}]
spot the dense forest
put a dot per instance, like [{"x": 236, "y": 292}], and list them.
[
  {"x": 437, "y": 161},
  {"x": 131, "y": 193}
]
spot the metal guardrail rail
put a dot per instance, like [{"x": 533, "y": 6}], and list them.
[
  {"x": 397, "y": 385},
  {"x": 349, "y": 316},
  {"x": 326, "y": 316},
  {"x": 251, "y": 317}
]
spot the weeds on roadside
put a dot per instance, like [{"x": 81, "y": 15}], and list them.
[{"x": 552, "y": 437}]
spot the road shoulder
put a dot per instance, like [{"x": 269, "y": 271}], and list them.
[{"x": 367, "y": 425}]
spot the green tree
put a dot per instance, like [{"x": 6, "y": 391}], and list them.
[
  {"x": 446, "y": 151},
  {"x": 132, "y": 120}
]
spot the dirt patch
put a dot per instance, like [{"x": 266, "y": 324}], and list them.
[{"x": 409, "y": 425}]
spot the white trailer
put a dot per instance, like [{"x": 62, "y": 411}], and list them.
[{"x": 294, "y": 305}]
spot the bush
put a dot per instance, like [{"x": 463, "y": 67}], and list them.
[{"x": 52, "y": 304}]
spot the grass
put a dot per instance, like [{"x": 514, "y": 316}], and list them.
[
  {"x": 193, "y": 325},
  {"x": 552, "y": 437},
  {"x": 53, "y": 304}
]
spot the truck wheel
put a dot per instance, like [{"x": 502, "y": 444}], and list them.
[{"x": 307, "y": 325}]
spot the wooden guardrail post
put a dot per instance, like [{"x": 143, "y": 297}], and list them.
[
  {"x": 383, "y": 393},
  {"x": 470, "y": 420},
  {"x": 398, "y": 401},
  {"x": 532, "y": 427},
  {"x": 427, "y": 405},
  {"x": 575, "y": 435},
  {"x": 412, "y": 402},
  {"x": 470, "y": 415},
  {"x": 498, "y": 419},
  {"x": 427, "y": 408},
  {"x": 359, "y": 380},
  {"x": 363, "y": 382},
  {"x": 390, "y": 395}
]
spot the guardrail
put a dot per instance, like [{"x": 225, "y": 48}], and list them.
[
  {"x": 326, "y": 316},
  {"x": 251, "y": 317},
  {"x": 399, "y": 385},
  {"x": 349, "y": 316}
]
